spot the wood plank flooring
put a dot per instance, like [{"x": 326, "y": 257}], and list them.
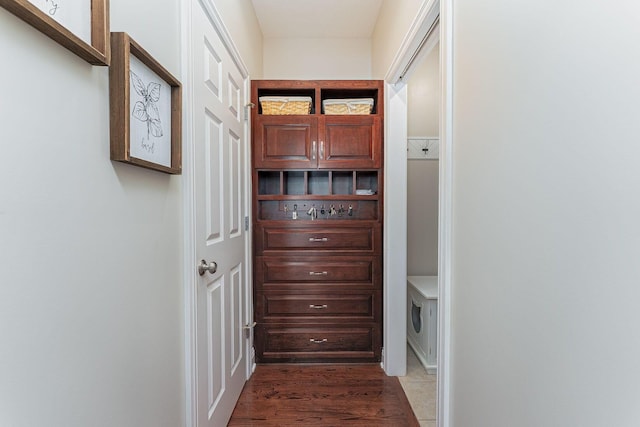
[{"x": 322, "y": 395}]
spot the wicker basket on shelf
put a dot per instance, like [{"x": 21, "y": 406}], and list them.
[
  {"x": 281, "y": 105},
  {"x": 348, "y": 106}
]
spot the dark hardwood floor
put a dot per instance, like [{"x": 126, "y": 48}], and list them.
[{"x": 322, "y": 395}]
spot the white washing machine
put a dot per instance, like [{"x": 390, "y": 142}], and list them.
[{"x": 422, "y": 313}]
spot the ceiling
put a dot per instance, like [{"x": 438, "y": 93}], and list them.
[{"x": 317, "y": 18}]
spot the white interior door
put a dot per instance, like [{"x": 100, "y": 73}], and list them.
[{"x": 219, "y": 135}]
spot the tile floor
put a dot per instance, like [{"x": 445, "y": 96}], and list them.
[{"x": 421, "y": 390}]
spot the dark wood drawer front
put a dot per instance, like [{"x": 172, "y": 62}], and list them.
[
  {"x": 282, "y": 270},
  {"x": 352, "y": 239},
  {"x": 359, "y": 306},
  {"x": 317, "y": 340}
]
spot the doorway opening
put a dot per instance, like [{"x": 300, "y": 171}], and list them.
[
  {"x": 433, "y": 24},
  {"x": 423, "y": 133}
]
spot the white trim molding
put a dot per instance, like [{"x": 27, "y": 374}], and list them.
[
  {"x": 189, "y": 253},
  {"x": 394, "y": 260},
  {"x": 421, "y": 37},
  {"x": 445, "y": 215}
]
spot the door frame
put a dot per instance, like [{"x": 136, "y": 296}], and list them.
[
  {"x": 396, "y": 233},
  {"x": 190, "y": 279}
]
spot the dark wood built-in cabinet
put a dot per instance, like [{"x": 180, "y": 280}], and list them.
[
  {"x": 317, "y": 223},
  {"x": 318, "y": 142}
]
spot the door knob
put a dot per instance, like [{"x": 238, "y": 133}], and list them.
[{"x": 203, "y": 267}]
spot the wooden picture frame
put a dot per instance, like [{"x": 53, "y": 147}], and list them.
[
  {"x": 145, "y": 109},
  {"x": 83, "y": 30}
]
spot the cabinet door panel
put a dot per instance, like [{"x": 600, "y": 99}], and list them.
[
  {"x": 285, "y": 142},
  {"x": 350, "y": 142}
]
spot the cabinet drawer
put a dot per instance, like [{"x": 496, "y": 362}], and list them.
[
  {"x": 317, "y": 343},
  {"x": 346, "y": 270},
  {"x": 317, "y": 239},
  {"x": 272, "y": 306}
]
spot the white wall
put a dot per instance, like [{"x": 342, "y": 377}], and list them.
[
  {"x": 422, "y": 217},
  {"x": 423, "y": 96},
  {"x": 396, "y": 16},
  {"x": 423, "y": 104},
  {"x": 546, "y": 233},
  {"x": 317, "y": 59},
  {"x": 91, "y": 317}
]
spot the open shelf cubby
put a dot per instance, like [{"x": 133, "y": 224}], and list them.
[
  {"x": 317, "y": 183},
  {"x": 294, "y": 183},
  {"x": 367, "y": 180},
  {"x": 269, "y": 183},
  {"x": 341, "y": 182}
]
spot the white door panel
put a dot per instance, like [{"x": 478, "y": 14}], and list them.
[
  {"x": 219, "y": 134},
  {"x": 215, "y": 328}
]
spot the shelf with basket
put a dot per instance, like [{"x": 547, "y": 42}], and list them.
[{"x": 310, "y": 97}]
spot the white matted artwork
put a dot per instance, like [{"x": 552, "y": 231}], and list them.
[
  {"x": 82, "y": 26},
  {"x": 145, "y": 109},
  {"x": 74, "y": 15},
  {"x": 150, "y": 109}
]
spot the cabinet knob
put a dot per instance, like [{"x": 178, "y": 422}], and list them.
[
  {"x": 318, "y": 306},
  {"x": 313, "y": 340},
  {"x": 318, "y": 273},
  {"x": 318, "y": 239}
]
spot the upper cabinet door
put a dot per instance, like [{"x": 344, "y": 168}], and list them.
[
  {"x": 349, "y": 142},
  {"x": 285, "y": 142}
]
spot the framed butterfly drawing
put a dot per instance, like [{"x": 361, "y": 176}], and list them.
[
  {"x": 82, "y": 26},
  {"x": 145, "y": 109}
]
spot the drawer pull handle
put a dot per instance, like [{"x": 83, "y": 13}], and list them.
[
  {"x": 318, "y": 306},
  {"x": 318, "y": 239},
  {"x": 313, "y": 340},
  {"x": 318, "y": 273}
]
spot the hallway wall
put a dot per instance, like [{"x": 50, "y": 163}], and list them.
[
  {"x": 317, "y": 59},
  {"x": 423, "y": 105},
  {"x": 423, "y": 96},
  {"x": 91, "y": 316},
  {"x": 545, "y": 214}
]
